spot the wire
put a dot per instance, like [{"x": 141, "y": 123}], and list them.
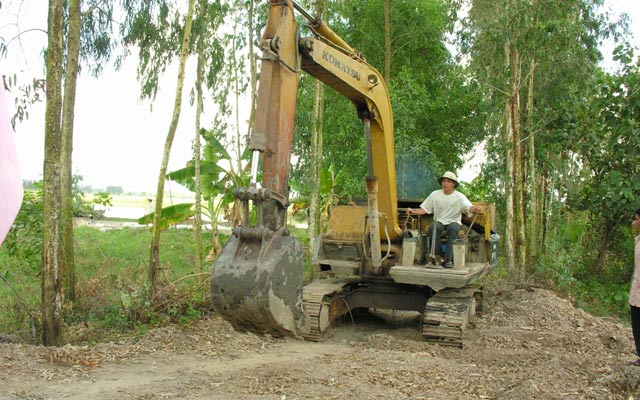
[{"x": 353, "y": 322}]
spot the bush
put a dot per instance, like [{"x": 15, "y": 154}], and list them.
[{"x": 24, "y": 240}]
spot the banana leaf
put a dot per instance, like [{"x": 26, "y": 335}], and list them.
[
  {"x": 213, "y": 149},
  {"x": 186, "y": 175},
  {"x": 171, "y": 215}
]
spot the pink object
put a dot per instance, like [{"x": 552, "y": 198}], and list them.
[{"x": 10, "y": 184}]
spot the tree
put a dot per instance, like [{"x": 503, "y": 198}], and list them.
[
  {"x": 52, "y": 253},
  {"x": 218, "y": 180},
  {"x": 154, "y": 264},
  {"x": 66, "y": 179},
  {"x": 608, "y": 148},
  {"x": 197, "y": 228},
  {"x": 160, "y": 36},
  {"x": 556, "y": 42},
  {"x": 317, "y": 131}
]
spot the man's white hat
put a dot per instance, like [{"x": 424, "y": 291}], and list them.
[{"x": 449, "y": 175}]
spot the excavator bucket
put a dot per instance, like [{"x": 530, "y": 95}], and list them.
[
  {"x": 258, "y": 287},
  {"x": 256, "y": 283}
]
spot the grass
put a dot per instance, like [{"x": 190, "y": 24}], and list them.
[{"x": 112, "y": 289}]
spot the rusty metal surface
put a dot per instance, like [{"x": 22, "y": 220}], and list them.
[
  {"x": 277, "y": 93},
  {"x": 439, "y": 278}
]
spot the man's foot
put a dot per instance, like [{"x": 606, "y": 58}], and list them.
[{"x": 447, "y": 264}]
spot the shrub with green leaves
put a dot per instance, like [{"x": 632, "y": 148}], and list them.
[{"x": 24, "y": 241}]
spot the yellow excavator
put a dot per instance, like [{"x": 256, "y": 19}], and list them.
[{"x": 372, "y": 256}]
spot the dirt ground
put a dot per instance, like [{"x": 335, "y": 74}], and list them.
[{"x": 527, "y": 344}]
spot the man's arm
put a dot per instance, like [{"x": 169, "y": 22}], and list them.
[
  {"x": 415, "y": 211},
  {"x": 468, "y": 207}
]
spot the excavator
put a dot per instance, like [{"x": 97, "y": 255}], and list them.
[{"x": 373, "y": 255}]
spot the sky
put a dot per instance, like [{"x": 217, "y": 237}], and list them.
[{"x": 119, "y": 139}]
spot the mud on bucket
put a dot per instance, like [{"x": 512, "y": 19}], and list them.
[
  {"x": 257, "y": 285},
  {"x": 459, "y": 253}
]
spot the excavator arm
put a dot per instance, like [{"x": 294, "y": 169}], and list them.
[
  {"x": 328, "y": 58},
  {"x": 257, "y": 279}
]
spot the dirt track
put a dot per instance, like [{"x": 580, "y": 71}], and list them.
[{"x": 528, "y": 344}]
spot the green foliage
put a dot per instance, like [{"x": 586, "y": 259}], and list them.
[
  {"x": 82, "y": 207},
  {"x": 438, "y": 109},
  {"x": 569, "y": 266},
  {"x": 19, "y": 295},
  {"x": 24, "y": 240},
  {"x": 21, "y": 254},
  {"x": 96, "y": 37},
  {"x": 27, "y": 95},
  {"x": 217, "y": 181},
  {"x": 610, "y": 145},
  {"x": 156, "y": 28},
  {"x": 103, "y": 199}
]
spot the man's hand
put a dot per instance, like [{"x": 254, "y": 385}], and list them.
[{"x": 477, "y": 210}]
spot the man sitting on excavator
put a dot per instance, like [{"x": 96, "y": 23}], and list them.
[{"x": 446, "y": 205}]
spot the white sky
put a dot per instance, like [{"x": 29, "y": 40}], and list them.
[{"x": 118, "y": 140}]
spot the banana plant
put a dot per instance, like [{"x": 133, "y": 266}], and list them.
[{"x": 218, "y": 180}]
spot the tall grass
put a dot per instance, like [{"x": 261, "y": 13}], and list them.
[
  {"x": 112, "y": 286},
  {"x": 112, "y": 290}
]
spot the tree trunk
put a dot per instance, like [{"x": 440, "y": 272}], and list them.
[
  {"x": 509, "y": 222},
  {"x": 154, "y": 264},
  {"x": 315, "y": 210},
  {"x": 518, "y": 181},
  {"x": 603, "y": 248},
  {"x": 52, "y": 241},
  {"x": 66, "y": 176},
  {"x": 533, "y": 178},
  {"x": 197, "y": 229},
  {"x": 544, "y": 189}
]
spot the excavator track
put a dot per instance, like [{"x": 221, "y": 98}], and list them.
[
  {"x": 318, "y": 299},
  {"x": 448, "y": 313}
]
